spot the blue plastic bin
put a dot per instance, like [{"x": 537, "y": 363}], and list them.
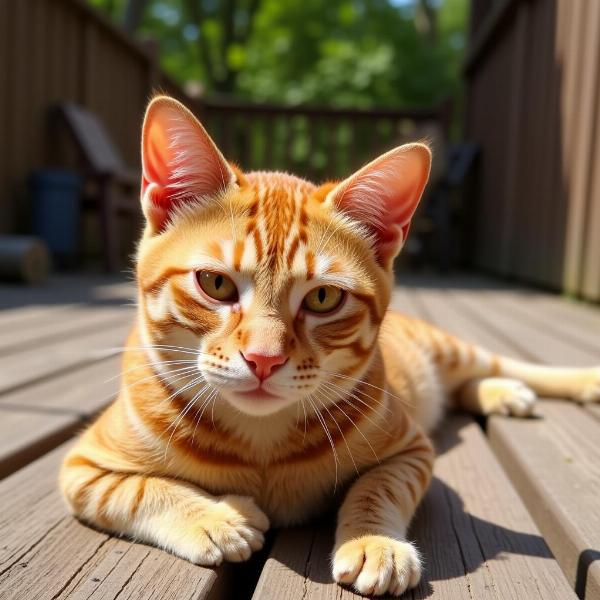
[{"x": 56, "y": 210}]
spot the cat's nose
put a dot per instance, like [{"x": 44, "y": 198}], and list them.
[{"x": 262, "y": 365}]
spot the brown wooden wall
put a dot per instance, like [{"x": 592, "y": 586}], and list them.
[
  {"x": 52, "y": 51},
  {"x": 533, "y": 102}
]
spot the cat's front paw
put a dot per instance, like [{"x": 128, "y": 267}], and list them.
[
  {"x": 504, "y": 396},
  {"x": 377, "y": 564},
  {"x": 231, "y": 529},
  {"x": 590, "y": 386}
]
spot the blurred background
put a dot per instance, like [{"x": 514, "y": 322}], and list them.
[{"x": 506, "y": 91}]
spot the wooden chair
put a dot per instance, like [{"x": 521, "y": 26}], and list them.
[{"x": 112, "y": 187}]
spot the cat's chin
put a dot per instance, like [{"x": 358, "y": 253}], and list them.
[{"x": 258, "y": 402}]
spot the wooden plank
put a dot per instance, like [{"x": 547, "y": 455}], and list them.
[
  {"x": 514, "y": 149},
  {"x": 5, "y": 112},
  {"x": 554, "y": 462},
  {"x": 502, "y": 553},
  {"x": 532, "y": 342},
  {"x": 587, "y": 95},
  {"x": 12, "y": 319},
  {"x": 68, "y": 324},
  {"x": 556, "y": 192},
  {"x": 590, "y": 287},
  {"x": 503, "y": 316},
  {"x": 594, "y": 410},
  {"x": 46, "y": 554},
  {"x": 80, "y": 392},
  {"x": 30, "y": 365},
  {"x": 554, "y": 318},
  {"x": 475, "y": 534},
  {"x": 37, "y": 418},
  {"x": 440, "y": 309},
  {"x": 26, "y": 435},
  {"x": 402, "y": 302},
  {"x": 582, "y": 314},
  {"x": 68, "y": 289}
]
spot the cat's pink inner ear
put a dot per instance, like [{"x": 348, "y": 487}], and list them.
[
  {"x": 383, "y": 196},
  {"x": 180, "y": 161}
]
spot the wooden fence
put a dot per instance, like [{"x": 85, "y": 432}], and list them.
[
  {"x": 57, "y": 50},
  {"x": 533, "y": 104}
]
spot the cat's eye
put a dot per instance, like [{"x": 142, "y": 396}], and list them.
[
  {"x": 323, "y": 299},
  {"x": 217, "y": 286}
]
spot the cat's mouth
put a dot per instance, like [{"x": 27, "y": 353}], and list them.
[
  {"x": 258, "y": 394},
  {"x": 258, "y": 401}
]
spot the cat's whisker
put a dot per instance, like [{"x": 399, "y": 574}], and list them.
[
  {"x": 297, "y": 414},
  {"x": 184, "y": 412},
  {"x": 353, "y": 394},
  {"x": 357, "y": 390},
  {"x": 349, "y": 401},
  {"x": 328, "y": 434},
  {"x": 186, "y": 409},
  {"x": 152, "y": 364},
  {"x": 341, "y": 433},
  {"x": 200, "y": 411},
  {"x": 123, "y": 387},
  {"x": 212, "y": 412},
  {"x": 362, "y": 381},
  {"x": 177, "y": 374},
  {"x": 181, "y": 349},
  {"x": 196, "y": 381},
  {"x": 305, "y": 420},
  {"x": 357, "y": 427}
]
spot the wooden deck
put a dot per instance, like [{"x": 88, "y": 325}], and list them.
[{"x": 512, "y": 513}]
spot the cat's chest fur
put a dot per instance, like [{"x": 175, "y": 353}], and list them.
[
  {"x": 295, "y": 482},
  {"x": 288, "y": 491}
]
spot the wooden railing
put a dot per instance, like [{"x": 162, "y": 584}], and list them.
[
  {"x": 533, "y": 105},
  {"x": 317, "y": 143}
]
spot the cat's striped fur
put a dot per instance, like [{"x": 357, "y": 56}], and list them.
[{"x": 192, "y": 456}]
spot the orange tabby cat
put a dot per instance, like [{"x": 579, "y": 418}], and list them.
[{"x": 263, "y": 372}]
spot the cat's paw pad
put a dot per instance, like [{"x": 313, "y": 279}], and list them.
[
  {"x": 508, "y": 397},
  {"x": 377, "y": 564},
  {"x": 590, "y": 387},
  {"x": 230, "y": 530}
]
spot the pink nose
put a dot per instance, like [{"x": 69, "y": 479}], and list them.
[{"x": 263, "y": 366}]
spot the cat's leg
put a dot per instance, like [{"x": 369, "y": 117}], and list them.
[
  {"x": 488, "y": 383},
  {"x": 513, "y": 386},
  {"x": 497, "y": 395},
  {"x": 580, "y": 384},
  {"x": 168, "y": 513},
  {"x": 371, "y": 550}
]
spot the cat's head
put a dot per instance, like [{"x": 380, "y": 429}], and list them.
[{"x": 278, "y": 285}]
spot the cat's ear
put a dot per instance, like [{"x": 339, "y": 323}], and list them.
[
  {"x": 383, "y": 196},
  {"x": 180, "y": 161}
]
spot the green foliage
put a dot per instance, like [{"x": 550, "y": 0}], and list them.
[{"x": 358, "y": 53}]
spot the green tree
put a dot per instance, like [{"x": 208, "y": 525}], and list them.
[{"x": 340, "y": 52}]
